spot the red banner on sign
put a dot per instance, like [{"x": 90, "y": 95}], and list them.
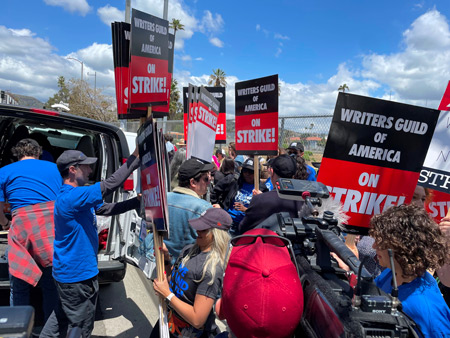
[
  {"x": 439, "y": 205},
  {"x": 256, "y": 132},
  {"x": 361, "y": 190},
  {"x": 445, "y": 102}
]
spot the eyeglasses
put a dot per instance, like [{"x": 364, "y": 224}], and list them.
[{"x": 266, "y": 239}]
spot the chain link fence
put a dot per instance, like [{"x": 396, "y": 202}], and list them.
[{"x": 310, "y": 130}]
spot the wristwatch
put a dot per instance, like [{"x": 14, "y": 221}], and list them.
[{"x": 169, "y": 298}]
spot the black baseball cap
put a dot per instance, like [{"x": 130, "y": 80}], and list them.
[
  {"x": 73, "y": 157},
  {"x": 284, "y": 166},
  {"x": 212, "y": 218},
  {"x": 192, "y": 167},
  {"x": 248, "y": 164},
  {"x": 296, "y": 146}
]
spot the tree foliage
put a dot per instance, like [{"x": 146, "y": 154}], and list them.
[
  {"x": 176, "y": 110},
  {"x": 176, "y": 25},
  {"x": 218, "y": 78},
  {"x": 84, "y": 101},
  {"x": 63, "y": 94},
  {"x": 343, "y": 88}
]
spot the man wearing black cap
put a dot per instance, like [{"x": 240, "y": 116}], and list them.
[
  {"x": 76, "y": 241},
  {"x": 268, "y": 203},
  {"x": 185, "y": 203},
  {"x": 297, "y": 149}
]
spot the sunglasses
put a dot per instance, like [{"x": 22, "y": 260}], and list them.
[{"x": 277, "y": 241}]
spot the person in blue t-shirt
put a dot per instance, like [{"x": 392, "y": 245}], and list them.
[
  {"x": 29, "y": 185},
  {"x": 234, "y": 195},
  {"x": 418, "y": 246},
  {"x": 76, "y": 241}
]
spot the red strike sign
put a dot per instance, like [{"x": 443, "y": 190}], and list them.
[
  {"x": 445, "y": 102},
  {"x": 362, "y": 191},
  {"x": 439, "y": 205},
  {"x": 258, "y": 132}
]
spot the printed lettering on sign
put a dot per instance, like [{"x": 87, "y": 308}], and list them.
[
  {"x": 257, "y": 116},
  {"x": 370, "y": 142}
]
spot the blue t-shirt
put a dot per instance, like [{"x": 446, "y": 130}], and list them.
[
  {"x": 76, "y": 239},
  {"x": 28, "y": 182},
  {"x": 269, "y": 184},
  {"x": 422, "y": 301},
  {"x": 311, "y": 173},
  {"x": 244, "y": 196}
]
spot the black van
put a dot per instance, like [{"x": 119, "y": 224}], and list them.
[{"x": 57, "y": 132}]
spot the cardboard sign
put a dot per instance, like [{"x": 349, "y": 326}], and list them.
[
  {"x": 257, "y": 116},
  {"x": 374, "y": 154},
  {"x": 152, "y": 183},
  {"x": 161, "y": 111},
  {"x": 204, "y": 125},
  {"x": 121, "y": 54},
  {"x": 439, "y": 205},
  {"x": 435, "y": 173},
  {"x": 149, "y": 76},
  {"x": 219, "y": 94},
  {"x": 445, "y": 102}
]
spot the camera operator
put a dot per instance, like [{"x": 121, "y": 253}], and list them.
[{"x": 418, "y": 245}]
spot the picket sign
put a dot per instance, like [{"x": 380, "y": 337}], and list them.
[{"x": 159, "y": 256}]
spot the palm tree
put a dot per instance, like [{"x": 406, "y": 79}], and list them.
[
  {"x": 343, "y": 88},
  {"x": 176, "y": 26},
  {"x": 218, "y": 78}
]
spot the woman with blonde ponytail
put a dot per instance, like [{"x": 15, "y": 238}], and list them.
[{"x": 196, "y": 277}]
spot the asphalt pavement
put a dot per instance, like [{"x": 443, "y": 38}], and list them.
[{"x": 126, "y": 309}]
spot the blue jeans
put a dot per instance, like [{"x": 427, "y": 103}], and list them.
[{"x": 20, "y": 292}]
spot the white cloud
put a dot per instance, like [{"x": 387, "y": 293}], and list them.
[
  {"x": 186, "y": 58},
  {"x": 110, "y": 14},
  {"x": 211, "y": 23},
  {"x": 198, "y": 59},
  {"x": 72, "y": 6},
  {"x": 419, "y": 72},
  {"x": 216, "y": 42},
  {"x": 278, "y": 52},
  {"x": 22, "y": 32},
  {"x": 258, "y": 27},
  {"x": 281, "y": 37}
]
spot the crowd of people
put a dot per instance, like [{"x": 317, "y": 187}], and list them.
[{"x": 218, "y": 263}]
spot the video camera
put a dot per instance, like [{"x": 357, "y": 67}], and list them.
[{"x": 332, "y": 308}]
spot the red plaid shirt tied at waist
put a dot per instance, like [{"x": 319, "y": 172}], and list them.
[{"x": 30, "y": 241}]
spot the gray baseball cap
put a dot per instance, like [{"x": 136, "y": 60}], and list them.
[
  {"x": 73, "y": 157},
  {"x": 212, "y": 218}
]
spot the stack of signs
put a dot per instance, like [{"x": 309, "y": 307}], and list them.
[
  {"x": 121, "y": 54},
  {"x": 257, "y": 116},
  {"x": 435, "y": 173},
  {"x": 149, "y": 69},
  {"x": 374, "y": 154},
  {"x": 219, "y": 94},
  {"x": 202, "y": 123},
  {"x": 153, "y": 178}
]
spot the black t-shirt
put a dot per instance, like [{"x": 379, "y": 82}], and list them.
[{"x": 184, "y": 282}]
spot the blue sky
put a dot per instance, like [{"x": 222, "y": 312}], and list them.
[{"x": 386, "y": 49}]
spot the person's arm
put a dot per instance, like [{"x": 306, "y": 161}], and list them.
[
  {"x": 4, "y": 222},
  {"x": 110, "y": 209},
  {"x": 444, "y": 272},
  {"x": 196, "y": 314},
  {"x": 116, "y": 180}
]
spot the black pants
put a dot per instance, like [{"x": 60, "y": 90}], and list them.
[{"x": 76, "y": 308}]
